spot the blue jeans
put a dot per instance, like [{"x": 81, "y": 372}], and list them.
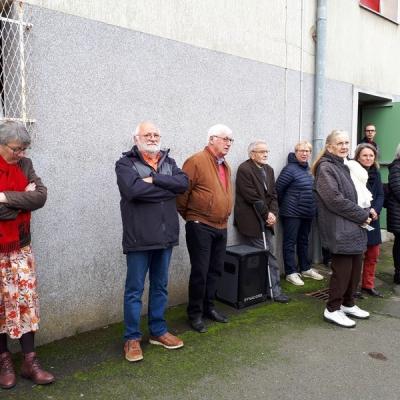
[
  {"x": 138, "y": 263},
  {"x": 295, "y": 237}
]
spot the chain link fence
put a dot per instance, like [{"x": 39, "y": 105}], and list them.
[{"x": 15, "y": 62}]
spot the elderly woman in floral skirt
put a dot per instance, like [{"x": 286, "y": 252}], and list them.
[{"x": 21, "y": 191}]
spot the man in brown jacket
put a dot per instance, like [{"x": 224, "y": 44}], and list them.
[
  {"x": 206, "y": 207},
  {"x": 255, "y": 181}
]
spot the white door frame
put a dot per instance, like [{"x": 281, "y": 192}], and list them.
[{"x": 386, "y": 99}]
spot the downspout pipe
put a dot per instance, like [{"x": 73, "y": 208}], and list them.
[
  {"x": 319, "y": 80},
  {"x": 319, "y": 101}
]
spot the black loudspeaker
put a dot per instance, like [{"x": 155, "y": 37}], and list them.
[{"x": 244, "y": 277}]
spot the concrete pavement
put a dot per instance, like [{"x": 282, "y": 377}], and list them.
[{"x": 268, "y": 351}]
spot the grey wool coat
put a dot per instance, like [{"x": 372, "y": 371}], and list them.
[{"x": 339, "y": 216}]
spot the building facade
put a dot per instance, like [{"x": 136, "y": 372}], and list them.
[{"x": 97, "y": 68}]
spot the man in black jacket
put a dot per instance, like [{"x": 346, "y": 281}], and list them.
[
  {"x": 255, "y": 182},
  {"x": 369, "y": 135},
  {"x": 148, "y": 181}
]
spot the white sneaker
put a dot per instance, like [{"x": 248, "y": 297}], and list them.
[
  {"x": 295, "y": 279},
  {"x": 355, "y": 312},
  {"x": 338, "y": 317},
  {"x": 313, "y": 274}
]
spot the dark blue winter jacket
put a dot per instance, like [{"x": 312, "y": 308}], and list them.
[
  {"x": 148, "y": 210},
  {"x": 374, "y": 185},
  {"x": 295, "y": 190}
]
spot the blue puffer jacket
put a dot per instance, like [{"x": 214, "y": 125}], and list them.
[{"x": 295, "y": 190}]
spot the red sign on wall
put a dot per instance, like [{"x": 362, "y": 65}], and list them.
[{"x": 372, "y": 4}]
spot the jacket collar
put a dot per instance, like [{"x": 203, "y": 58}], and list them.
[
  {"x": 134, "y": 152},
  {"x": 218, "y": 161},
  {"x": 293, "y": 160}
]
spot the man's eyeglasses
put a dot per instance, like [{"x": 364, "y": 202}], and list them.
[
  {"x": 225, "y": 139},
  {"x": 261, "y": 151},
  {"x": 370, "y": 130},
  {"x": 149, "y": 136},
  {"x": 17, "y": 150}
]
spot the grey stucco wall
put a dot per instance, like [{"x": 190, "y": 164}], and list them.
[{"x": 93, "y": 83}]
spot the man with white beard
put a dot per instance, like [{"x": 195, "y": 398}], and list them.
[{"x": 148, "y": 181}]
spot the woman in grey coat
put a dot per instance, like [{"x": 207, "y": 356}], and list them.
[{"x": 340, "y": 221}]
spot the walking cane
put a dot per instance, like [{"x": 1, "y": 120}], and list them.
[{"x": 258, "y": 206}]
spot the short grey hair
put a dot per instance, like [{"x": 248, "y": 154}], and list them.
[
  {"x": 397, "y": 154},
  {"x": 254, "y": 144},
  {"x": 139, "y": 125},
  {"x": 14, "y": 130},
  {"x": 216, "y": 130}
]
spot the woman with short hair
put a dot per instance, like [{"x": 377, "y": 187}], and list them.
[
  {"x": 340, "y": 221},
  {"x": 21, "y": 192},
  {"x": 393, "y": 211},
  {"x": 296, "y": 211}
]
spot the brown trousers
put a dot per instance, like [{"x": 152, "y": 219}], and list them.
[{"x": 346, "y": 272}]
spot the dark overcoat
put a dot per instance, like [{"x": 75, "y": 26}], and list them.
[
  {"x": 393, "y": 201},
  {"x": 374, "y": 185},
  {"x": 249, "y": 189}
]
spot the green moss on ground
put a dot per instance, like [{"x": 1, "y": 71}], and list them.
[{"x": 91, "y": 365}]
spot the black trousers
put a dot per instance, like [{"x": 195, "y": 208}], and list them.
[
  {"x": 207, "y": 247},
  {"x": 346, "y": 272}
]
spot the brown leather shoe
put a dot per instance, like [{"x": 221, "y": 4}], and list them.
[
  {"x": 32, "y": 370},
  {"x": 7, "y": 373},
  {"x": 167, "y": 340},
  {"x": 133, "y": 351}
]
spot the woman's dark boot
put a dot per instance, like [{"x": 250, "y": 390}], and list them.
[
  {"x": 7, "y": 373},
  {"x": 32, "y": 370}
]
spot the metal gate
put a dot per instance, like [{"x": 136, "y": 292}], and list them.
[{"x": 16, "y": 83}]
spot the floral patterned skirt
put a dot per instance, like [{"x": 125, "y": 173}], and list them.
[{"x": 19, "y": 306}]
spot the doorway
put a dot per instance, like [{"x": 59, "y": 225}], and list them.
[{"x": 384, "y": 113}]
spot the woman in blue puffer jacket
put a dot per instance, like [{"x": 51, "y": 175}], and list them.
[{"x": 296, "y": 210}]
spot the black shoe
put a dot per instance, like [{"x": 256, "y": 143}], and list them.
[
  {"x": 281, "y": 298},
  {"x": 372, "y": 292},
  {"x": 396, "y": 278},
  {"x": 358, "y": 295},
  {"x": 216, "y": 316},
  {"x": 328, "y": 264},
  {"x": 198, "y": 325}
]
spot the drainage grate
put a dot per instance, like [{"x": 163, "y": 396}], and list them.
[{"x": 322, "y": 294}]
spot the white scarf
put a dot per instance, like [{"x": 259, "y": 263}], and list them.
[{"x": 359, "y": 176}]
